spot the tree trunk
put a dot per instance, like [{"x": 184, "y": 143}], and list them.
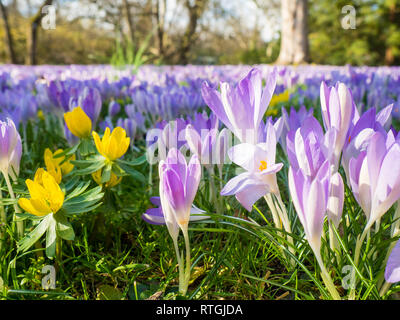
[
  {"x": 389, "y": 56},
  {"x": 32, "y": 33},
  {"x": 195, "y": 13},
  {"x": 160, "y": 17},
  {"x": 294, "y": 34},
  {"x": 130, "y": 21},
  {"x": 9, "y": 39}
]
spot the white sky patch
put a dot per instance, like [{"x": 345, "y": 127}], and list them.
[{"x": 176, "y": 15}]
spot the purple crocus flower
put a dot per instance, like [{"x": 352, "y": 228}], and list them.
[
  {"x": 375, "y": 176},
  {"x": 202, "y": 145},
  {"x": 260, "y": 175},
  {"x": 130, "y": 127},
  {"x": 310, "y": 199},
  {"x": 137, "y": 116},
  {"x": 336, "y": 199},
  {"x": 392, "y": 271},
  {"x": 173, "y": 135},
  {"x": 10, "y": 149},
  {"x": 113, "y": 108},
  {"x": 292, "y": 121},
  {"x": 337, "y": 112},
  {"x": 179, "y": 182},
  {"x": 242, "y": 108},
  {"x": 308, "y": 147},
  {"x": 28, "y": 108},
  {"x": 361, "y": 132},
  {"x": 201, "y": 121},
  {"x": 107, "y": 122},
  {"x": 90, "y": 101},
  {"x": 156, "y": 215}
]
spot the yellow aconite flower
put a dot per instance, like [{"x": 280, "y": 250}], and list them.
[
  {"x": 78, "y": 123},
  {"x": 46, "y": 195},
  {"x": 40, "y": 115},
  {"x": 278, "y": 98},
  {"x": 54, "y": 166},
  {"x": 114, "y": 180},
  {"x": 112, "y": 146}
]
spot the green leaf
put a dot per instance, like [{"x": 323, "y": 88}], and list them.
[
  {"x": 67, "y": 152},
  {"x": 8, "y": 202},
  {"x": 106, "y": 174},
  {"x": 131, "y": 266},
  {"x": 51, "y": 237},
  {"x": 63, "y": 227},
  {"x": 134, "y": 162},
  {"x": 93, "y": 167},
  {"x": 25, "y": 243},
  {"x": 107, "y": 292},
  {"x": 71, "y": 182},
  {"x": 84, "y": 202},
  {"x": 134, "y": 173},
  {"x": 79, "y": 210},
  {"x": 78, "y": 190},
  {"x": 86, "y": 147}
]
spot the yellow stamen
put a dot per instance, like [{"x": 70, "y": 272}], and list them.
[{"x": 263, "y": 165}]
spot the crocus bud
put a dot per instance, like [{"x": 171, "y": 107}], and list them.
[
  {"x": 336, "y": 198},
  {"x": 310, "y": 199},
  {"x": 113, "y": 108},
  {"x": 337, "y": 112},
  {"x": 10, "y": 148},
  {"x": 178, "y": 187}
]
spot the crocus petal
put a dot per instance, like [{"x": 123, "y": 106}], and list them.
[
  {"x": 213, "y": 99},
  {"x": 248, "y": 156},
  {"x": 392, "y": 271},
  {"x": 154, "y": 216},
  {"x": 384, "y": 115},
  {"x": 336, "y": 199},
  {"x": 240, "y": 182},
  {"x": 267, "y": 94},
  {"x": 249, "y": 194},
  {"x": 315, "y": 210},
  {"x": 174, "y": 191},
  {"x": 192, "y": 179}
]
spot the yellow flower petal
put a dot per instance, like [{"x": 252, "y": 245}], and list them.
[
  {"x": 38, "y": 176},
  {"x": 41, "y": 206},
  {"x": 56, "y": 196},
  {"x": 112, "y": 146},
  {"x": 78, "y": 122},
  {"x": 36, "y": 190},
  {"x": 114, "y": 180},
  {"x": 97, "y": 142},
  {"x": 66, "y": 166},
  {"x": 27, "y": 206}
]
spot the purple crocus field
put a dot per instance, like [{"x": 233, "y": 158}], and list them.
[{"x": 200, "y": 182}]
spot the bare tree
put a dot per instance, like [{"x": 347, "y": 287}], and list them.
[
  {"x": 129, "y": 19},
  {"x": 195, "y": 12},
  {"x": 294, "y": 34},
  {"x": 160, "y": 18},
  {"x": 9, "y": 39},
  {"x": 33, "y": 31}
]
